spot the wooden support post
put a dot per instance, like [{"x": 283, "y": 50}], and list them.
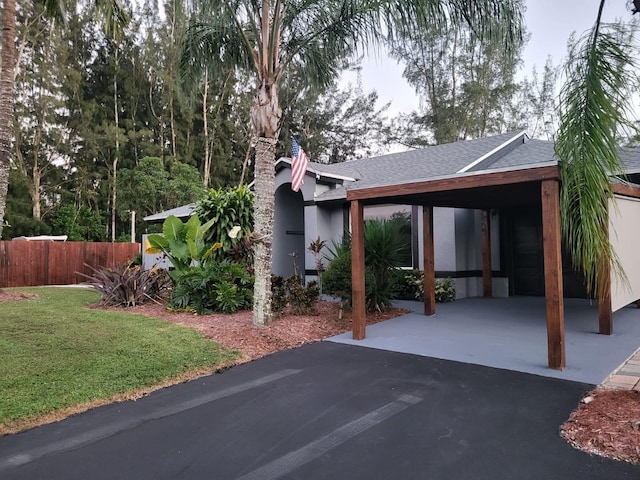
[
  {"x": 487, "y": 280},
  {"x": 357, "y": 270},
  {"x": 428, "y": 261},
  {"x": 553, "y": 273},
  {"x": 605, "y": 311}
]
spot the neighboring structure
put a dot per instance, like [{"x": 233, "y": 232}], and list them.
[{"x": 486, "y": 212}]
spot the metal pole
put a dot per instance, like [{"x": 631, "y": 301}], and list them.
[{"x": 133, "y": 226}]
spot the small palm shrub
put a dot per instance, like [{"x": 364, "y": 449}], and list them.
[
  {"x": 224, "y": 287},
  {"x": 336, "y": 281},
  {"x": 384, "y": 252},
  {"x": 127, "y": 285}
]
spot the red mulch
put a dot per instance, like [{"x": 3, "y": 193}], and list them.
[
  {"x": 608, "y": 425},
  {"x": 236, "y": 331}
]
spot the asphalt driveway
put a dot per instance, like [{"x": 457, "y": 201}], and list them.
[{"x": 325, "y": 410}]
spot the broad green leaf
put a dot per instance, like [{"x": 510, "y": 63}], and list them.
[
  {"x": 157, "y": 241},
  {"x": 172, "y": 228},
  {"x": 192, "y": 228}
]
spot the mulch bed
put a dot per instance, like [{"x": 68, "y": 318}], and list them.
[
  {"x": 236, "y": 331},
  {"x": 608, "y": 425}
]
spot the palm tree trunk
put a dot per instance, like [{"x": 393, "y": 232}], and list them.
[
  {"x": 266, "y": 119},
  {"x": 263, "y": 217},
  {"x": 8, "y": 25}
]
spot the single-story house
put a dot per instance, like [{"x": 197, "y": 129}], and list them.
[{"x": 485, "y": 211}]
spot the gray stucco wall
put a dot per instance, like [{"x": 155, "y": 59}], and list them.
[
  {"x": 288, "y": 233},
  {"x": 457, "y": 235}
]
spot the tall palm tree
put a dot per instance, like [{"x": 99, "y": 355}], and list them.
[
  {"x": 312, "y": 37},
  {"x": 114, "y": 18},
  {"x": 594, "y": 105}
]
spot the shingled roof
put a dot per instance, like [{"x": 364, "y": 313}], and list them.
[{"x": 508, "y": 151}]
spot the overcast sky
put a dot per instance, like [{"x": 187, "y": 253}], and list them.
[{"x": 550, "y": 22}]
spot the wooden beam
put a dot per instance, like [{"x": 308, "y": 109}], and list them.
[
  {"x": 487, "y": 280},
  {"x": 457, "y": 182},
  {"x": 550, "y": 193},
  {"x": 428, "y": 261},
  {"x": 357, "y": 270},
  {"x": 626, "y": 190}
]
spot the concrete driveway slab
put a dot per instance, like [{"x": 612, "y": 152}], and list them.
[{"x": 509, "y": 333}]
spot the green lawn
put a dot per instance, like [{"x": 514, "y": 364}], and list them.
[{"x": 56, "y": 353}]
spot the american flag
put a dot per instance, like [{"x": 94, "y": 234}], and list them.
[{"x": 299, "y": 164}]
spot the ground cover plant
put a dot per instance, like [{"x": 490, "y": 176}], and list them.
[{"x": 58, "y": 354}]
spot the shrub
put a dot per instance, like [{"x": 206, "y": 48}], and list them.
[
  {"x": 301, "y": 298},
  {"x": 278, "y": 294},
  {"x": 445, "y": 290},
  {"x": 214, "y": 287},
  {"x": 410, "y": 284},
  {"x": 128, "y": 286},
  {"x": 336, "y": 279},
  {"x": 183, "y": 244},
  {"x": 228, "y": 208},
  {"x": 384, "y": 251},
  {"x": 291, "y": 292},
  {"x": 412, "y": 287}
]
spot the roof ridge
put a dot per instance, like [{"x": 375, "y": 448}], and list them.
[{"x": 492, "y": 154}]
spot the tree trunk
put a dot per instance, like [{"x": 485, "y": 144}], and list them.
[
  {"x": 263, "y": 217},
  {"x": 205, "y": 127},
  {"x": 35, "y": 190},
  {"x": 266, "y": 117},
  {"x": 114, "y": 192},
  {"x": 8, "y": 25},
  {"x": 245, "y": 163}
]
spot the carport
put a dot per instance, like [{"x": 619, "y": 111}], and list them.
[{"x": 537, "y": 186}]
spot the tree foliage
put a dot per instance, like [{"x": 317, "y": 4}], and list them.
[
  {"x": 595, "y": 103},
  {"x": 465, "y": 83}
]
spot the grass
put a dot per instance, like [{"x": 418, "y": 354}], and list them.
[{"x": 57, "y": 356}]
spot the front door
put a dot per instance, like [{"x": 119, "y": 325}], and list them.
[{"x": 524, "y": 233}]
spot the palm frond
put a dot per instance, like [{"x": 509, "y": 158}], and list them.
[
  {"x": 115, "y": 17},
  {"x": 215, "y": 45},
  {"x": 594, "y": 104},
  {"x": 55, "y": 9}
]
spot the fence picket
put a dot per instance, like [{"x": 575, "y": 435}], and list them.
[{"x": 35, "y": 263}]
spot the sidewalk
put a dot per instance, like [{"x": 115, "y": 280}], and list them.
[{"x": 627, "y": 376}]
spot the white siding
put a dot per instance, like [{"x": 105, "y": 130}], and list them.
[{"x": 624, "y": 232}]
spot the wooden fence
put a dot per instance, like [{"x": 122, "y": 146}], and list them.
[{"x": 33, "y": 263}]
